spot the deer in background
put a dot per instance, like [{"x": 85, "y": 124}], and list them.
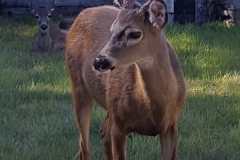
[
  {"x": 122, "y": 60},
  {"x": 49, "y": 38}
]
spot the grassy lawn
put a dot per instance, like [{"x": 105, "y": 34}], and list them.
[{"x": 36, "y": 113}]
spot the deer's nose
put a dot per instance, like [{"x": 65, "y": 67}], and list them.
[
  {"x": 104, "y": 63},
  {"x": 100, "y": 63},
  {"x": 44, "y": 26}
]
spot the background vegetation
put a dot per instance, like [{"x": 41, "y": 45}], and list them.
[{"x": 36, "y": 113}]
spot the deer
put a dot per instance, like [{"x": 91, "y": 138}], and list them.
[
  {"x": 49, "y": 37},
  {"x": 65, "y": 24},
  {"x": 121, "y": 59}
]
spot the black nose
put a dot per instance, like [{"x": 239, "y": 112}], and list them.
[
  {"x": 44, "y": 27},
  {"x": 101, "y": 64}
]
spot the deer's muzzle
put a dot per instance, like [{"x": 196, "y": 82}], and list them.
[
  {"x": 44, "y": 27},
  {"x": 104, "y": 64}
]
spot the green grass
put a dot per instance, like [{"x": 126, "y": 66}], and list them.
[{"x": 36, "y": 112}]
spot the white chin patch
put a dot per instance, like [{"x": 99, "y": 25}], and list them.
[{"x": 148, "y": 62}]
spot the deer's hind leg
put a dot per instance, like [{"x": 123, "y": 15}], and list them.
[
  {"x": 113, "y": 139},
  {"x": 119, "y": 138},
  {"x": 168, "y": 142}
]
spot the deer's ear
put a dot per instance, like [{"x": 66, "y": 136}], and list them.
[
  {"x": 158, "y": 16},
  {"x": 33, "y": 11},
  {"x": 52, "y": 9}
]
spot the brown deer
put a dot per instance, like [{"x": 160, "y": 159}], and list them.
[
  {"x": 49, "y": 38},
  {"x": 122, "y": 60}
]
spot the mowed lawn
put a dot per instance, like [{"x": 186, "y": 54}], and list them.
[{"x": 36, "y": 112}]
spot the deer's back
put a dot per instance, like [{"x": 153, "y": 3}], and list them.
[
  {"x": 56, "y": 34},
  {"x": 175, "y": 64},
  {"x": 91, "y": 30}
]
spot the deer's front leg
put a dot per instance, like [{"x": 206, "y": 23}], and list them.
[
  {"x": 118, "y": 143},
  {"x": 105, "y": 132}
]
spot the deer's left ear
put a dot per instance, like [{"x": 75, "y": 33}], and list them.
[{"x": 158, "y": 16}]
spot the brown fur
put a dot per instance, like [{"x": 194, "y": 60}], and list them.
[{"x": 136, "y": 99}]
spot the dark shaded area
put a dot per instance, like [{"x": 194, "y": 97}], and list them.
[
  {"x": 0, "y": 8},
  {"x": 184, "y": 11},
  {"x": 62, "y": 7},
  {"x": 17, "y": 97}
]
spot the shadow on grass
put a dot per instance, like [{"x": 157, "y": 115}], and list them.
[{"x": 28, "y": 78}]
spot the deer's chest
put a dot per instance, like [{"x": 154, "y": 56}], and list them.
[{"x": 44, "y": 43}]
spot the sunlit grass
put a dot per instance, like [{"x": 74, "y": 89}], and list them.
[{"x": 37, "y": 120}]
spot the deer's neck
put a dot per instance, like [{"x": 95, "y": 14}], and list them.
[
  {"x": 157, "y": 74},
  {"x": 43, "y": 35},
  {"x": 43, "y": 40}
]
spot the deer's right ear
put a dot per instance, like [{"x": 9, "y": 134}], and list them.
[
  {"x": 33, "y": 11},
  {"x": 158, "y": 16}
]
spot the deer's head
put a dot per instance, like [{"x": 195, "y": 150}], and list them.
[
  {"x": 42, "y": 13},
  {"x": 133, "y": 34}
]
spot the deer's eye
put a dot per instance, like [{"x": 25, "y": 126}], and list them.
[
  {"x": 36, "y": 16},
  {"x": 134, "y": 35},
  {"x": 49, "y": 16}
]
